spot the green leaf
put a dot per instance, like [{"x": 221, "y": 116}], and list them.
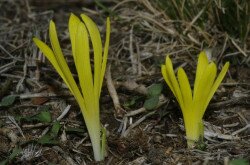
[
  {"x": 47, "y": 139},
  {"x": 44, "y": 108},
  {"x": 239, "y": 162},
  {"x": 4, "y": 162},
  {"x": 132, "y": 101},
  {"x": 55, "y": 129},
  {"x": 155, "y": 90},
  {"x": 8, "y": 100},
  {"x": 50, "y": 137},
  {"x": 151, "y": 102},
  {"x": 43, "y": 116},
  {"x": 14, "y": 153}
]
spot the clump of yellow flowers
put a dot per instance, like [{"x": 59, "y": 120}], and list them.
[
  {"x": 193, "y": 104},
  {"x": 87, "y": 96}
]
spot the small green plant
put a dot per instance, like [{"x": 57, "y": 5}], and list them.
[
  {"x": 8, "y": 100},
  {"x": 51, "y": 136},
  {"x": 194, "y": 104},
  {"x": 154, "y": 92},
  {"x": 90, "y": 80},
  {"x": 15, "y": 152},
  {"x": 239, "y": 161}
]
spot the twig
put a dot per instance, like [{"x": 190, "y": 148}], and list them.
[
  {"x": 131, "y": 52},
  {"x": 238, "y": 47},
  {"x": 220, "y": 136},
  {"x": 125, "y": 134},
  {"x": 139, "y": 65},
  {"x": 65, "y": 111},
  {"x": 12, "y": 119},
  {"x": 194, "y": 20},
  {"x": 241, "y": 130},
  {"x": 65, "y": 155},
  {"x": 6, "y": 67},
  {"x": 5, "y": 51},
  {"x": 28, "y": 95},
  {"x": 136, "y": 112},
  {"x": 119, "y": 111},
  {"x": 232, "y": 102},
  {"x": 133, "y": 86}
]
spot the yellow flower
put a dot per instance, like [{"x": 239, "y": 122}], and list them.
[
  {"x": 90, "y": 81},
  {"x": 194, "y": 103}
]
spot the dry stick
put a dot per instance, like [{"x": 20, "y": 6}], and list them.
[
  {"x": 244, "y": 128},
  {"x": 122, "y": 3},
  {"x": 140, "y": 160},
  {"x": 125, "y": 134},
  {"x": 241, "y": 130},
  {"x": 11, "y": 76},
  {"x": 230, "y": 125},
  {"x": 64, "y": 113},
  {"x": 229, "y": 103},
  {"x": 12, "y": 119},
  {"x": 6, "y": 67},
  {"x": 136, "y": 112},
  {"x": 131, "y": 52},
  {"x": 5, "y": 51},
  {"x": 238, "y": 47},
  {"x": 243, "y": 118},
  {"x": 194, "y": 20},
  {"x": 193, "y": 39},
  {"x": 138, "y": 60},
  {"x": 212, "y": 131},
  {"x": 65, "y": 155},
  {"x": 133, "y": 86},
  {"x": 20, "y": 82},
  {"x": 38, "y": 125},
  {"x": 162, "y": 101},
  {"x": 170, "y": 31},
  {"x": 119, "y": 111},
  {"x": 33, "y": 95},
  {"x": 220, "y": 136},
  {"x": 124, "y": 125},
  {"x": 223, "y": 48}
]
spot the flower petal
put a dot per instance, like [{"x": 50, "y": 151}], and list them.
[
  {"x": 185, "y": 90},
  {"x": 83, "y": 63},
  {"x": 51, "y": 57},
  {"x": 201, "y": 66},
  {"x": 203, "y": 89},
  {"x": 166, "y": 78},
  {"x": 73, "y": 24},
  {"x": 97, "y": 46},
  {"x": 171, "y": 77},
  {"x": 105, "y": 53},
  {"x": 217, "y": 83},
  {"x": 62, "y": 62}
]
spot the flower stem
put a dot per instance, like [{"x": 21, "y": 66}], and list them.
[
  {"x": 92, "y": 121},
  {"x": 194, "y": 131}
]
